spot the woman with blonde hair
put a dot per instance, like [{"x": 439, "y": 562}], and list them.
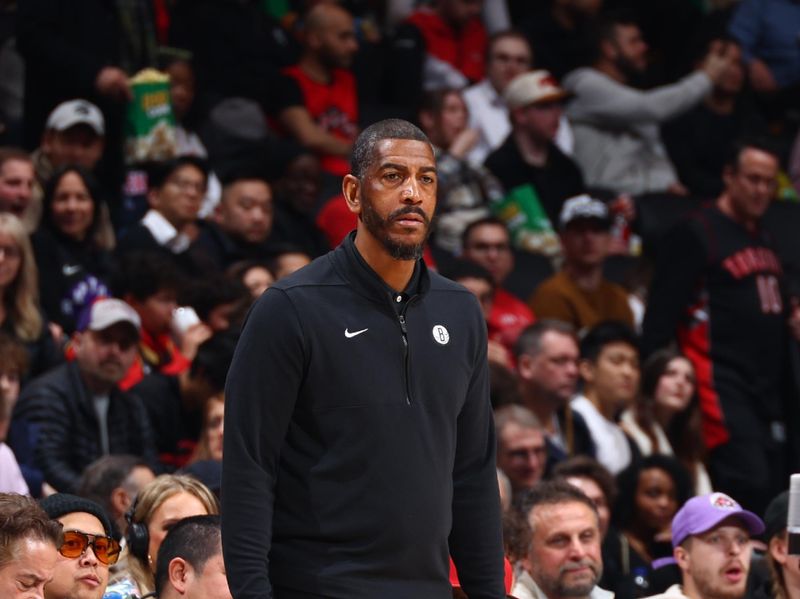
[
  {"x": 20, "y": 315},
  {"x": 158, "y": 507}
]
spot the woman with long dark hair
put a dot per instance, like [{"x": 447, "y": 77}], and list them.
[
  {"x": 666, "y": 419},
  {"x": 73, "y": 261},
  {"x": 650, "y": 492}
]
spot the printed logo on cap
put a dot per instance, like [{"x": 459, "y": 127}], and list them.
[{"x": 722, "y": 502}]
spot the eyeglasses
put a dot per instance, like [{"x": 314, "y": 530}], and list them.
[
  {"x": 185, "y": 185},
  {"x": 75, "y": 543}
]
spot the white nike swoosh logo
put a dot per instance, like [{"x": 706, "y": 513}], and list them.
[
  {"x": 350, "y": 335},
  {"x": 70, "y": 270}
]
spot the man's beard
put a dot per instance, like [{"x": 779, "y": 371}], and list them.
[
  {"x": 379, "y": 227},
  {"x": 578, "y": 589},
  {"x": 634, "y": 74}
]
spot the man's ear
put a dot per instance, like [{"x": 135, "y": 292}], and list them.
[
  {"x": 525, "y": 366},
  {"x": 351, "y": 190},
  {"x": 682, "y": 558},
  {"x": 586, "y": 370},
  {"x": 778, "y": 549},
  {"x": 77, "y": 339},
  {"x": 180, "y": 573},
  {"x": 153, "y": 199},
  {"x": 216, "y": 215},
  {"x": 727, "y": 175},
  {"x": 608, "y": 49},
  {"x": 47, "y": 140},
  {"x": 120, "y": 500}
]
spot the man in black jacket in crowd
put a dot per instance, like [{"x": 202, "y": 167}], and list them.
[
  {"x": 359, "y": 444},
  {"x": 79, "y": 411}
]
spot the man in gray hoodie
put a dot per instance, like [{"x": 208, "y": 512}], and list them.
[{"x": 616, "y": 126}]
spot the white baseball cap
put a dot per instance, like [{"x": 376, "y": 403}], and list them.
[
  {"x": 583, "y": 207},
  {"x": 76, "y": 112},
  {"x": 108, "y": 311},
  {"x": 533, "y": 87}
]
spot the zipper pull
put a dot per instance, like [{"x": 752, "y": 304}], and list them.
[{"x": 402, "y": 323}]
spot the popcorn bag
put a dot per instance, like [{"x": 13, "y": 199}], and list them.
[
  {"x": 528, "y": 224},
  {"x": 150, "y": 123}
]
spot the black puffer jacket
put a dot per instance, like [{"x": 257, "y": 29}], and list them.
[{"x": 61, "y": 407}]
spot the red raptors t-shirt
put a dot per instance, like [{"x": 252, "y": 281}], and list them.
[{"x": 334, "y": 107}]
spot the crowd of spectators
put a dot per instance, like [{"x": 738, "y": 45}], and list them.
[{"x": 617, "y": 185}]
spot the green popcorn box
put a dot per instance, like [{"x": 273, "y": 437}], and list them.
[
  {"x": 150, "y": 122},
  {"x": 528, "y": 224}
]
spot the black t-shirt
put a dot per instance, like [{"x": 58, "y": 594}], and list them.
[{"x": 558, "y": 180}]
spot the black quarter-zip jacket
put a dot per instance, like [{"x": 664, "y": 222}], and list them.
[{"x": 359, "y": 441}]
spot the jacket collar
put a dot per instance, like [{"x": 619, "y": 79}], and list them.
[{"x": 350, "y": 265}]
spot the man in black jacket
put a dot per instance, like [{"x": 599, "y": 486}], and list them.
[
  {"x": 77, "y": 408},
  {"x": 359, "y": 443}
]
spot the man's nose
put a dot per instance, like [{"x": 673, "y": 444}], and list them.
[
  {"x": 577, "y": 550},
  {"x": 88, "y": 557},
  {"x": 410, "y": 192}
]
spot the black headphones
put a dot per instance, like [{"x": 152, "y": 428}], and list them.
[{"x": 137, "y": 536}]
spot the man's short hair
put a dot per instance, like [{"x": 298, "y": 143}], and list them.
[
  {"x": 481, "y": 222},
  {"x": 196, "y": 539},
  {"x": 10, "y": 153},
  {"x": 432, "y": 101},
  {"x": 552, "y": 492},
  {"x": 214, "y": 357},
  {"x": 244, "y": 172},
  {"x": 363, "y": 154},
  {"x": 211, "y": 292},
  {"x": 506, "y": 34},
  {"x": 529, "y": 341},
  {"x": 582, "y": 466},
  {"x": 465, "y": 269},
  {"x": 514, "y": 414},
  {"x": 104, "y": 475},
  {"x": 737, "y": 148},
  {"x": 144, "y": 273},
  {"x": 606, "y": 333},
  {"x": 604, "y": 29},
  {"x": 159, "y": 172},
  {"x": 22, "y": 518}
]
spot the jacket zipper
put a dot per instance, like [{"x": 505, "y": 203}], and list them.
[{"x": 402, "y": 319}]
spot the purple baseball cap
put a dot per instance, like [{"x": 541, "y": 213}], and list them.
[{"x": 704, "y": 512}]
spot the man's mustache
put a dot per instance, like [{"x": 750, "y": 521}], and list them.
[{"x": 400, "y": 212}]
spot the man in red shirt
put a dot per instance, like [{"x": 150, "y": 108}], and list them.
[
  {"x": 455, "y": 42},
  {"x": 487, "y": 242},
  {"x": 326, "y": 119}
]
